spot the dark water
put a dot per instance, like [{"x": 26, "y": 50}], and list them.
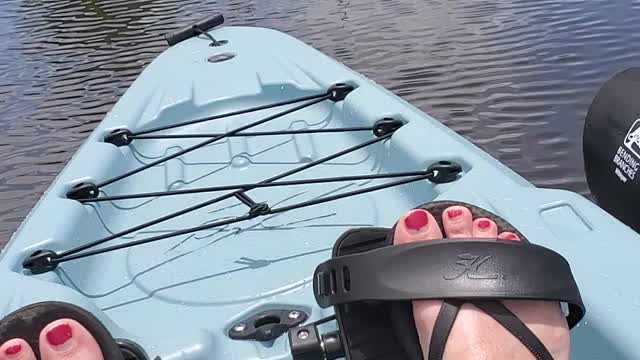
[{"x": 515, "y": 77}]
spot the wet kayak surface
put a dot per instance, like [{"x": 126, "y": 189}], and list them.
[{"x": 514, "y": 77}]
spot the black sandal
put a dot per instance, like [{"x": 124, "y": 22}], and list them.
[{"x": 370, "y": 283}]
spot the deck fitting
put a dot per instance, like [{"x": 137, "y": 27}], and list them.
[
  {"x": 41, "y": 261},
  {"x": 444, "y": 171},
  {"x": 339, "y": 91},
  {"x": 119, "y": 137},
  {"x": 267, "y": 325},
  {"x": 82, "y": 191},
  {"x": 386, "y": 126}
]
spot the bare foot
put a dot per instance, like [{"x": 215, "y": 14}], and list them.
[
  {"x": 62, "y": 339},
  {"x": 475, "y": 335}
]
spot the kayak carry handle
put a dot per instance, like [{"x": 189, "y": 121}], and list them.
[{"x": 191, "y": 30}]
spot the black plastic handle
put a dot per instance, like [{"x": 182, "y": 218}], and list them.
[{"x": 189, "y": 31}]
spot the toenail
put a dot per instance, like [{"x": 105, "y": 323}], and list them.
[
  {"x": 416, "y": 219},
  {"x": 483, "y": 224},
  {"x": 14, "y": 349},
  {"x": 454, "y": 213},
  {"x": 59, "y": 334},
  {"x": 512, "y": 236}
]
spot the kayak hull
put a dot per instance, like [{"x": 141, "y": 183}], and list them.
[{"x": 179, "y": 297}]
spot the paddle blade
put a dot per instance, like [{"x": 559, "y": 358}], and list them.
[{"x": 611, "y": 147}]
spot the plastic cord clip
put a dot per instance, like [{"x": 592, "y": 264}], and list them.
[
  {"x": 444, "y": 172},
  {"x": 386, "y": 126},
  {"x": 41, "y": 261},
  {"x": 83, "y": 191},
  {"x": 119, "y": 137},
  {"x": 339, "y": 91}
]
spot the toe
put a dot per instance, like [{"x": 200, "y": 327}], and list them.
[
  {"x": 16, "y": 349},
  {"x": 457, "y": 221},
  {"x": 508, "y": 235},
  {"x": 67, "y": 339},
  {"x": 417, "y": 225},
  {"x": 484, "y": 228},
  {"x": 473, "y": 331},
  {"x": 420, "y": 225}
]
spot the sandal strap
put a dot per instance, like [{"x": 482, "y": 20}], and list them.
[
  {"x": 466, "y": 269},
  {"x": 515, "y": 326},
  {"x": 442, "y": 328},
  {"x": 449, "y": 311}
]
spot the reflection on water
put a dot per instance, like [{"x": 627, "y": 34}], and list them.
[{"x": 515, "y": 77}]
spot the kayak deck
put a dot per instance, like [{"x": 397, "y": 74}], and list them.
[{"x": 178, "y": 297}]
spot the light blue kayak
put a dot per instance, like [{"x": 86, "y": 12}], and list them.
[{"x": 178, "y": 286}]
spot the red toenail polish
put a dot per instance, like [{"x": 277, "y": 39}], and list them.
[
  {"x": 483, "y": 224},
  {"x": 512, "y": 236},
  {"x": 12, "y": 350},
  {"x": 454, "y": 213},
  {"x": 416, "y": 220},
  {"x": 59, "y": 334}
]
